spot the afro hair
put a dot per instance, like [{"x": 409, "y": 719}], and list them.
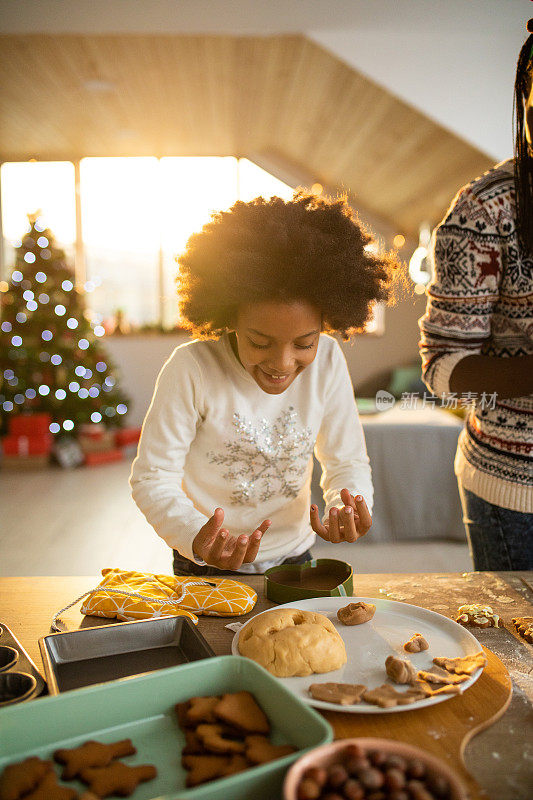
[{"x": 309, "y": 249}]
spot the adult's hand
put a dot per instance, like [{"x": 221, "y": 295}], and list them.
[
  {"x": 345, "y": 524},
  {"x": 214, "y": 545}
]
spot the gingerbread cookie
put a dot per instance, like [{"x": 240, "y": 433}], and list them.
[
  {"x": 430, "y": 690},
  {"x": 477, "y": 615},
  {"x": 439, "y": 675},
  {"x": 241, "y": 711},
  {"x": 91, "y": 754},
  {"x": 387, "y": 696},
  {"x": 217, "y": 739},
  {"x": 416, "y": 644},
  {"x": 524, "y": 626},
  {"x": 260, "y": 750},
  {"x": 399, "y": 670},
  {"x": 117, "y": 778},
  {"x": 23, "y": 777},
  {"x": 356, "y": 613},
  {"x": 204, "y": 768},
  {"x": 50, "y": 789},
  {"x": 461, "y": 665},
  {"x": 193, "y": 744},
  {"x": 200, "y": 709},
  {"x": 345, "y": 694}
]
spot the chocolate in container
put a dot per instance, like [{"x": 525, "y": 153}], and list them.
[
  {"x": 20, "y": 679},
  {"x": 107, "y": 652},
  {"x": 322, "y": 577}
]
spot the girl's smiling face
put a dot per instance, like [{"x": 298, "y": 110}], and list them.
[{"x": 276, "y": 341}]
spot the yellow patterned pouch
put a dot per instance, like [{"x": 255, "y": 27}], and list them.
[{"x": 128, "y": 595}]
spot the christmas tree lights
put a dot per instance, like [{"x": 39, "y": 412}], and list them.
[{"x": 52, "y": 358}]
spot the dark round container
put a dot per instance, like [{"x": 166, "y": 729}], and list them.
[
  {"x": 15, "y": 687},
  {"x": 8, "y": 657}
]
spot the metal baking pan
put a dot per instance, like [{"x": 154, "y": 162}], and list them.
[
  {"x": 108, "y": 652},
  {"x": 20, "y": 679}
]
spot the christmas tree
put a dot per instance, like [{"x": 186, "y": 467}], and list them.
[{"x": 51, "y": 354}]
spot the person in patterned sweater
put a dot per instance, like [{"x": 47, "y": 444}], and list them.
[{"x": 477, "y": 342}]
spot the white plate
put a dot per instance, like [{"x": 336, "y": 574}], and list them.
[{"x": 368, "y": 645}]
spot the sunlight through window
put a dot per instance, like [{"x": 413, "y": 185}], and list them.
[{"x": 136, "y": 217}]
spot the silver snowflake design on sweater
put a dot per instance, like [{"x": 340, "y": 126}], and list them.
[{"x": 265, "y": 458}]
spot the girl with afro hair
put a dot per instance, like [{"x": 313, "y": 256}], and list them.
[{"x": 224, "y": 465}]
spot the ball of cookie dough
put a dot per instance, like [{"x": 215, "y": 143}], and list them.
[
  {"x": 356, "y": 613},
  {"x": 289, "y": 642}
]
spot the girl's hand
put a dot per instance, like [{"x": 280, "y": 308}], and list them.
[
  {"x": 345, "y": 524},
  {"x": 216, "y": 547}
]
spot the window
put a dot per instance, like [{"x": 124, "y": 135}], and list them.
[
  {"x": 45, "y": 187},
  {"x": 120, "y": 205},
  {"x": 136, "y": 217}
]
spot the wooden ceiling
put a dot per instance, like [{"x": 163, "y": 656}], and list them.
[{"x": 69, "y": 96}]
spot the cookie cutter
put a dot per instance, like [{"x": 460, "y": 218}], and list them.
[{"x": 322, "y": 577}]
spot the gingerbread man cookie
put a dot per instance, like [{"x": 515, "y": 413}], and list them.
[
  {"x": 50, "y": 789},
  {"x": 259, "y": 750},
  {"x": 461, "y": 665},
  {"x": 218, "y": 739},
  {"x": 345, "y": 694},
  {"x": 23, "y": 777},
  {"x": 117, "y": 778},
  {"x": 91, "y": 754},
  {"x": 240, "y": 711},
  {"x": 204, "y": 768},
  {"x": 441, "y": 676},
  {"x": 387, "y": 696}
]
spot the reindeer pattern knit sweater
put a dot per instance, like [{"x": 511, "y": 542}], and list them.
[{"x": 480, "y": 301}]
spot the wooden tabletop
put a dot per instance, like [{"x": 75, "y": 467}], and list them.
[{"x": 500, "y": 758}]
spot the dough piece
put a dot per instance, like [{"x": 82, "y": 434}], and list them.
[
  {"x": 240, "y": 711},
  {"x": 91, "y": 754},
  {"x": 117, "y": 778},
  {"x": 400, "y": 670},
  {"x": 24, "y": 776},
  {"x": 416, "y": 644},
  {"x": 215, "y": 739},
  {"x": 259, "y": 750},
  {"x": 439, "y": 675},
  {"x": 524, "y": 626},
  {"x": 387, "y": 696},
  {"x": 461, "y": 665},
  {"x": 477, "y": 615},
  {"x": 356, "y": 613},
  {"x": 345, "y": 694},
  {"x": 290, "y": 642}
]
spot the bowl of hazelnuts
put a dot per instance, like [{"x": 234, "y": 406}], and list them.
[{"x": 371, "y": 769}]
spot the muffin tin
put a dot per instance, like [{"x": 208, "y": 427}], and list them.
[{"x": 20, "y": 679}]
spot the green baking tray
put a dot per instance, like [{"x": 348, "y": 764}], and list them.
[{"x": 142, "y": 709}]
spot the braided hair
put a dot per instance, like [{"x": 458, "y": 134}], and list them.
[{"x": 523, "y": 162}]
